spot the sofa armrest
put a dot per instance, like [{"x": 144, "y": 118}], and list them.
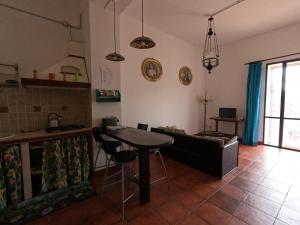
[
  {"x": 229, "y": 144},
  {"x": 230, "y": 157}
]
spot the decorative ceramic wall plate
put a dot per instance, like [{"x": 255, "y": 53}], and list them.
[
  {"x": 185, "y": 75},
  {"x": 152, "y": 69}
]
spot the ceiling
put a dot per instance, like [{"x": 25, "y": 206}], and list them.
[{"x": 188, "y": 19}]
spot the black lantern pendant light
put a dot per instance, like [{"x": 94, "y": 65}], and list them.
[
  {"x": 116, "y": 57},
  {"x": 142, "y": 42},
  {"x": 211, "y": 49}
]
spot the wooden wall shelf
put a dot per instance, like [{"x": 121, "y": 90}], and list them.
[
  {"x": 108, "y": 98},
  {"x": 54, "y": 83}
]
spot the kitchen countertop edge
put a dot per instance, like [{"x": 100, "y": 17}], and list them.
[{"x": 42, "y": 135}]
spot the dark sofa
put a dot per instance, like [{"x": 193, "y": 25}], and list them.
[{"x": 207, "y": 154}]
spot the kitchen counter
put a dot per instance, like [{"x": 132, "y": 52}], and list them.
[
  {"x": 42, "y": 135},
  {"x": 25, "y": 140}
]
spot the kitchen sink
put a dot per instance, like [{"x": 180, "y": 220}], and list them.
[{"x": 64, "y": 128}]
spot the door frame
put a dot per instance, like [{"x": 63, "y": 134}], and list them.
[{"x": 282, "y": 103}]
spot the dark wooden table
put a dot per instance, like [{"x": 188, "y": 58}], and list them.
[
  {"x": 229, "y": 120},
  {"x": 143, "y": 141}
]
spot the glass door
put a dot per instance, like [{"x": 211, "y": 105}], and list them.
[
  {"x": 282, "y": 105},
  {"x": 273, "y": 104},
  {"x": 291, "y": 123}
]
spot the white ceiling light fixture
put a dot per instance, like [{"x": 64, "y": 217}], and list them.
[{"x": 211, "y": 56}]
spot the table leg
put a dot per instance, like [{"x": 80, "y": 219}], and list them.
[
  {"x": 236, "y": 128},
  {"x": 217, "y": 126},
  {"x": 144, "y": 176}
]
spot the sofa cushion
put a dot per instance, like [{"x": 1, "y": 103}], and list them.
[
  {"x": 218, "y": 140},
  {"x": 172, "y": 129},
  {"x": 222, "y": 141}
]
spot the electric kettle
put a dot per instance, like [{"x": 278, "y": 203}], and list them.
[{"x": 54, "y": 120}]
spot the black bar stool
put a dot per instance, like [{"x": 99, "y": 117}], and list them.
[
  {"x": 123, "y": 158},
  {"x": 114, "y": 142},
  {"x": 142, "y": 126}
]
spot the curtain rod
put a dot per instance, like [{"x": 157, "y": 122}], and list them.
[
  {"x": 63, "y": 23},
  {"x": 227, "y": 7},
  {"x": 268, "y": 59},
  {"x": 106, "y": 4}
]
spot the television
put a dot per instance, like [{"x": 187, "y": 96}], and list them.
[{"x": 227, "y": 112}]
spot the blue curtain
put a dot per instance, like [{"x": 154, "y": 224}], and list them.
[{"x": 250, "y": 136}]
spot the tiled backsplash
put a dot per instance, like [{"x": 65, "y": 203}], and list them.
[{"x": 26, "y": 109}]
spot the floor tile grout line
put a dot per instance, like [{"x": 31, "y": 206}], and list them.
[
  {"x": 207, "y": 199},
  {"x": 245, "y": 169},
  {"x": 235, "y": 176},
  {"x": 274, "y": 166},
  {"x": 174, "y": 199},
  {"x": 282, "y": 204},
  {"x": 160, "y": 216},
  {"x": 189, "y": 212},
  {"x": 257, "y": 184},
  {"x": 268, "y": 188}
]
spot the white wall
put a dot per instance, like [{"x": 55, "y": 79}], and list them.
[
  {"x": 98, "y": 44},
  {"x": 167, "y": 101},
  {"x": 101, "y": 44},
  {"x": 228, "y": 83},
  {"x": 34, "y": 43}
]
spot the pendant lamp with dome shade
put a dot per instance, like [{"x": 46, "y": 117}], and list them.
[
  {"x": 116, "y": 57},
  {"x": 142, "y": 42}
]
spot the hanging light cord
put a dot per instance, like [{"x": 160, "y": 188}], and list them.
[
  {"x": 142, "y": 17},
  {"x": 227, "y": 7},
  {"x": 63, "y": 23},
  {"x": 115, "y": 25}
]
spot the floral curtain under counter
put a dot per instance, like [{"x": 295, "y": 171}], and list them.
[
  {"x": 78, "y": 159},
  {"x": 65, "y": 162},
  {"x": 10, "y": 175},
  {"x": 54, "y": 166}
]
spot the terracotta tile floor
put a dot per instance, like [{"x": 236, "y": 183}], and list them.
[{"x": 265, "y": 189}]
